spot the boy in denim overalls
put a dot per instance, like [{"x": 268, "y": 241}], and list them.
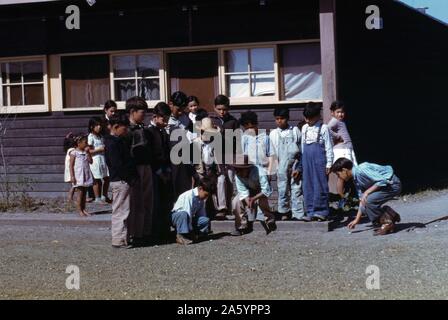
[{"x": 285, "y": 142}]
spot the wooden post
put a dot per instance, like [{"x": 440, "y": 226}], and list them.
[{"x": 328, "y": 54}]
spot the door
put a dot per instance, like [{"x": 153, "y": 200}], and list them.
[{"x": 195, "y": 74}]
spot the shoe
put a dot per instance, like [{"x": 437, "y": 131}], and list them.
[
  {"x": 305, "y": 219},
  {"x": 180, "y": 239},
  {"x": 237, "y": 233},
  {"x": 285, "y": 218},
  {"x": 385, "y": 229},
  {"x": 271, "y": 224},
  {"x": 319, "y": 218},
  {"x": 392, "y": 213},
  {"x": 220, "y": 216},
  {"x": 241, "y": 232}
]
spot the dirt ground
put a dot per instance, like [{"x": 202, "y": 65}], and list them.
[{"x": 283, "y": 265}]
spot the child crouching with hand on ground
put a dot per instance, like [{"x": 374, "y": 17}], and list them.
[
  {"x": 189, "y": 216},
  {"x": 376, "y": 185},
  {"x": 80, "y": 175}
]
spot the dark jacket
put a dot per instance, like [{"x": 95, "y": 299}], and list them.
[
  {"x": 140, "y": 147},
  {"x": 118, "y": 159},
  {"x": 160, "y": 148}
]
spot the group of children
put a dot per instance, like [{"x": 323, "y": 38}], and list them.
[{"x": 152, "y": 193}]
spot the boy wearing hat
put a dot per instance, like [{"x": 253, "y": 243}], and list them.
[
  {"x": 253, "y": 191},
  {"x": 205, "y": 161}
]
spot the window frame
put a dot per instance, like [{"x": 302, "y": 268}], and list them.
[
  {"x": 251, "y": 99},
  {"x": 161, "y": 76},
  {"x": 279, "y": 95},
  {"x": 45, "y": 107}
]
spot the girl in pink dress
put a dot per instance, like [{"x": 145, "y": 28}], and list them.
[{"x": 80, "y": 174}]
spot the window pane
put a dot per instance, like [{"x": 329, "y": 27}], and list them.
[
  {"x": 124, "y": 89},
  {"x": 237, "y": 60},
  {"x": 86, "y": 80},
  {"x": 3, "y": 70},
  {"x": 34, "y": 94},
  {"x": 148, "y": 65},
  {"x": 124, "y": 66},
  {"x": 149, "y": 89},
  {"x": 5, "y": 97},
  {"x": 301, "y": 71},
  {"x": 262, "y": 59},
  {"x": 15, "y": 72},
  {"x": 16, "y": 95},
  {"x": 33, "y": 71},
  {"x": 238, "y": 86},
  {"x": 263, "y": 84}
]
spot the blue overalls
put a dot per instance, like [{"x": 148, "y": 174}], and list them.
[
  {"x": 315, "y": 183},
  {"x": 289, "y": 189}
]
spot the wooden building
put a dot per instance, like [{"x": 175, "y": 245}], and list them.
[{"x": 261, "y": 53}]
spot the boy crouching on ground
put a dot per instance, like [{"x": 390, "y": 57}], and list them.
[
  {"x": 376, "y": 185},
  {"x": 122, "y": 174},
  {"x": 189, "y": 216},
  {"x": 251, "y": 202}
]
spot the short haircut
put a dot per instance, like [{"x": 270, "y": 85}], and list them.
[
  {"x": 222, "y": 100},
  {"x": 179, "y": 99},
  {"x": 119, "y": 120},
  {"x": 201, "y": 114},
  {"x": 341, "y": 163},
  {"x": 208, "y": 185},
  {"x": 281, "y": 112},
  {"x": 337, "y": 105},
  {"x": 136, "y": 104},
  {"x": 109, "y": 104},
  {"x": 193, "y": 98},
  {"x": 162, "y": 110},
  {"x": 248, "y": 117},
  {"x": 93, "y": 122},
  {"x": 312, "y": 110}
]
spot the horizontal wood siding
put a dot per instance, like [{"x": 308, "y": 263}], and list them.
[{"x": 34, "y": 146}]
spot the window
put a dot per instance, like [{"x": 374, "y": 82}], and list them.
[
  {"x": 136, "y": 75},
  {"x": 22, "y": 83},
  {"x": 86, "y": 80},
  {"x": 250, "y": 72},
  {"x": 301, "y": 71}
]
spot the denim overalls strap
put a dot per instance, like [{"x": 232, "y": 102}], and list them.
[{"x": 318, "y": 134}]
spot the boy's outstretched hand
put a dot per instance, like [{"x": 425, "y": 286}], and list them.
[{"x": 353, "y": 224}]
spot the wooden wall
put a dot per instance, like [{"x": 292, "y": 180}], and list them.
[
  {"x": 394, "y": 84},
  {"x": 34, "y": 145}
]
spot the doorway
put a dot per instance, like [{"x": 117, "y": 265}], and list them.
[{"x": 196, "y": 74}]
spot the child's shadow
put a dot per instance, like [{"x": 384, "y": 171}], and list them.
[
  {"x": 94, "y": 213},
  {"x": 214, "y": 236}
]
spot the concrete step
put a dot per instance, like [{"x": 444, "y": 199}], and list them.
[{"x": 103, "y": 221}]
